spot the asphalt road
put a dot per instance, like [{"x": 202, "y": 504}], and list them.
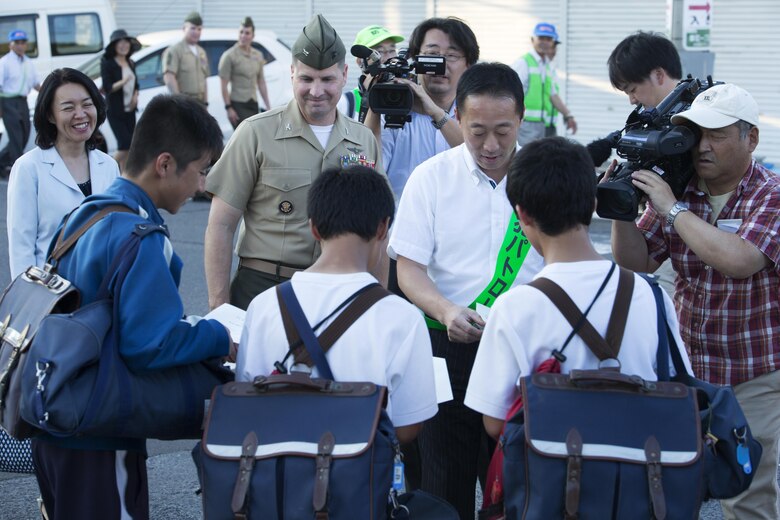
[{"x": 172, "y": 477}]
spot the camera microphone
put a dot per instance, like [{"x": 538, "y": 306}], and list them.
[{"x": 361, "y": 51}]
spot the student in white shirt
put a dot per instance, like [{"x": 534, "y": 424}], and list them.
[
  {"x": 350, "y": 211},
  {"x": 552, "y": 188}
]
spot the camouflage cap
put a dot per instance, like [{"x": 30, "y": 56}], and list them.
[
  {"x": 194, "y": 18},
  {"x": 319, "y": 46}
]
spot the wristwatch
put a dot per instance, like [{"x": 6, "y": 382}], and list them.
[
  {"x": 438, "y": 125},
  {"x": 677, "y": 208},
  {"x": 228, "y": 106}
]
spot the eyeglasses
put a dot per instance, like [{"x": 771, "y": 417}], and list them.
[{"x": 449, "y": 58}]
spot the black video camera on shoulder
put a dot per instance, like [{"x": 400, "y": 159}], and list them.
[
  {"x": 395, "y": 100},
  {"x": 650, "y": 141}
]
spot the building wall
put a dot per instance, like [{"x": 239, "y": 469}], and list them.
[
  {"x": 742, "y": 36},
  {"x": 744, "y": 40}
]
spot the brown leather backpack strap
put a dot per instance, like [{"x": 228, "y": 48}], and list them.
[
  {"x": 293, "y": 338},
  {"x": 617, "y": 320},
  {"x": 63, "y": 246},
  {"x": 573, "y": 315},
  {"x": 350, "y": 315},
  {"x": 343, "y": 321}
]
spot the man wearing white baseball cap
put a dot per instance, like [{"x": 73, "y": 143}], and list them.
[{"x": 723, "y": 239}]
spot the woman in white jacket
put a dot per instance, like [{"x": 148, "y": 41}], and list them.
[{"x": 50, "y": 180}]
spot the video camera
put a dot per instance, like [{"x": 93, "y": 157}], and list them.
[
  {"x": 650, "y": 141},
  {"x": 394, "y": 100}
]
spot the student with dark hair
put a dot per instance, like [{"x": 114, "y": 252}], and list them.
[
  {"x": 454, "y": 226},
  {"x": 53, "y": 178},
  {"x": 646, "y": 66},
  {"x": 176, "y": 129},
  {"x": 95, "y": 477},
  {"x": 350, "y": 211},
  {"x": 433, "y": 128},
  {"x": 553, "y": 192}
]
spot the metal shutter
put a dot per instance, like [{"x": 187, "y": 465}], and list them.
[{"x": 743, "y": 40}]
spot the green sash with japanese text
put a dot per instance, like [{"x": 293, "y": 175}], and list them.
[{"x": 510, "y": 259}]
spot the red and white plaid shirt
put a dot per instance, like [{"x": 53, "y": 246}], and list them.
[{"x": 730, "y": 326}]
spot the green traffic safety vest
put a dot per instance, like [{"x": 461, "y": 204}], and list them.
[
  {"x": 538, "y": 101},
  {"x": 357, "y": 99},
  {"x": 510, "y": 259},
  {"x": 553, "y": 110}
]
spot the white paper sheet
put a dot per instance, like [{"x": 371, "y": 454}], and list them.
[
  {"x": 442, "y": 380},
  {"x": 231, "y": 317},
  {"x": 483, "y": 310},
  {"x": 729, "y": 224}
]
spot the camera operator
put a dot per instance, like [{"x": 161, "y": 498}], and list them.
[
  {"x": 376, "y": 38},
  {"x": 646, "y": 66},
  {"x": 723, "y": 239},
  {"x": 433, "y": 127}
]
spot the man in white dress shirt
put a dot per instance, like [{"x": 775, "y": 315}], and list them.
[
  {"x": 17, "y": 79},
  {"x": 459, "y": 246}
]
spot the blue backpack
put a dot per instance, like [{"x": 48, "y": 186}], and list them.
[
  {"x": 293, "y": 447},
  {"x": 600, "y": 444}
]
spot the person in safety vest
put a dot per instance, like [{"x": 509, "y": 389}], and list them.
[{"x": 542, "y": 102}]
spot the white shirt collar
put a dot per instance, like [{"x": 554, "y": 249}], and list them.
[{"x": 475, "y": 171}]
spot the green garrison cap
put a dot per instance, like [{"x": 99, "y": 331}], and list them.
[
  {"x": 319, "y": 46},
  {"x": 194, "y": 18}
]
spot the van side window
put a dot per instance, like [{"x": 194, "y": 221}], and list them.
[
  {"x": 75, "y": 34},
  {"x": 148, "y": 71},
  {"x": 25, "y": 22}
]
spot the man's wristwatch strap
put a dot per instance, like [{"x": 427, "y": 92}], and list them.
[
  {"x": 677, "y": 208},
  {"x": 438, "y": 125}
]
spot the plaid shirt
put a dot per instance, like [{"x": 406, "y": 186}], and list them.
[{"x": 730, "y": 326}]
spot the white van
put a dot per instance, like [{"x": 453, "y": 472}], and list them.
[{"x": 62, "y": 33}]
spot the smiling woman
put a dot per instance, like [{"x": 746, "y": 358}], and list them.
[{"x": 53, "y": 178}]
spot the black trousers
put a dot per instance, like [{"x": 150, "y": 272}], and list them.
[
  {"x": 244, "y": 109},
  {"x": 91, "y": 485},
  {"x": 248, "y": 283},
  {"x": 16, "y": 118},
  {"x": 455, "y": 449}
]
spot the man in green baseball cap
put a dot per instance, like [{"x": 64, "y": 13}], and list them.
[
  {"x": 381, "y": 40},
  {"x": 266, "y": 171}
]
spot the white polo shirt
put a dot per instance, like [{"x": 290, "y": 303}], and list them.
[
  {"x": 388, "y": 345},
  {"x": 452, "y": 218}
]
